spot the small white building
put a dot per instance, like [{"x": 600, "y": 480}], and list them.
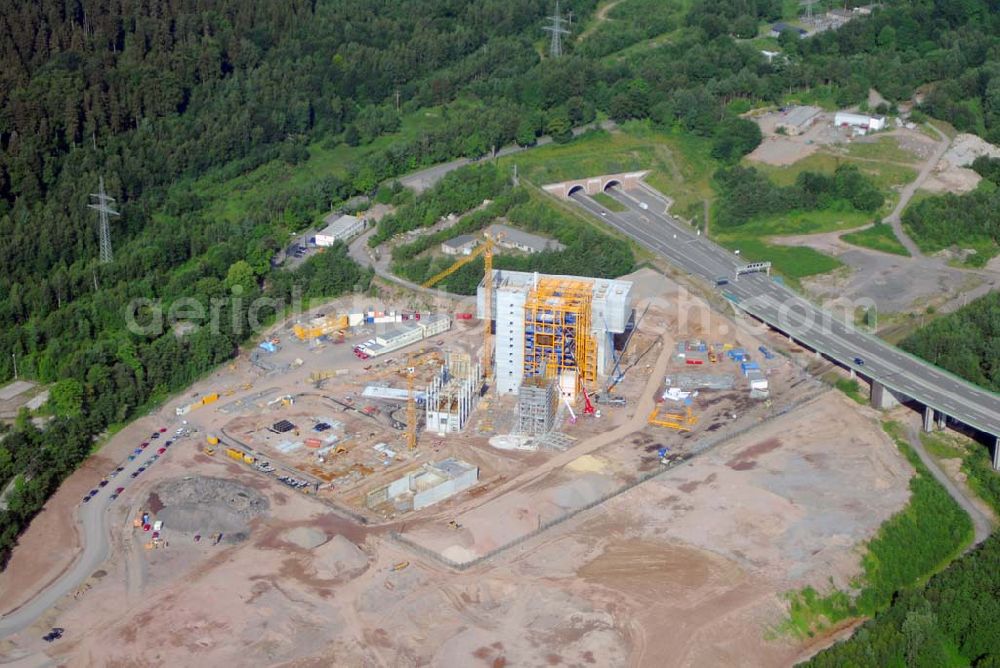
[
  {"x": 867, "y": 123},
  {"x": 460, "y": 245},
  {"x": 339, "y": 228},
  {"x": 757, "y": 379}
]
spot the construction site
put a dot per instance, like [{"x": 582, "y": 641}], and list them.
[{"x": 363, "y": 456}]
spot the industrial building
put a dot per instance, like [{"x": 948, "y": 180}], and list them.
[
  {"x": 797, "y": 120},
  {"x": 431, "y": 483},
  {"x": 515, "y": 239},
  {"x": 453, "y": 394},
  {"x": 862, "y": 121},
  {"x": 537, "y": 399},
  {"x": 395, "y": 336},
  {"x": 460, "y": 245},
  {"x": 557, "y": 326},
  {"x": 338, "y": 228}
]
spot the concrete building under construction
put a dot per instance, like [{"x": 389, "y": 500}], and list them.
[
  {"x": 562, "y": 327},
  {"x": 537, "y": 399},
  {"x": 453, "y": 394}
]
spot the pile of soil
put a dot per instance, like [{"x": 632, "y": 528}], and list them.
[
  {"x": 202, "y": 505},
  {"x": 305, "y": 537},
  {"x": 338, "y": 557}
]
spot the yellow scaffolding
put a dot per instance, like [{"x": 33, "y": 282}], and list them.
[
  {"x": 557, "y": 330},
  {"x": 678, "y": 421}
]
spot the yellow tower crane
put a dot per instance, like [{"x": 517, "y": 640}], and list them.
[
  {"x": 411, "y": 407},
  {"x": 486, "y": 250}
]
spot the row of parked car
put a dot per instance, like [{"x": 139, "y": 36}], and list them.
[
  {"x": 156, "y": 435},
  {"x": 294, "y": 483}
]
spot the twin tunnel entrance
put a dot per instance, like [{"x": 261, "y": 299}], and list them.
[{"x": 595, "y": 184}]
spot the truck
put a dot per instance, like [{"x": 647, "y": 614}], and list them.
[
  {"x": 212, "y": 440},
  {"x": 157, "y": 525}
]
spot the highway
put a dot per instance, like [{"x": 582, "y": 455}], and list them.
[
  {"x": 784, "y": 310},
  {"x": 93, "y": 521}
]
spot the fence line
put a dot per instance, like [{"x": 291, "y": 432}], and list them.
[{"x": 699, "y": 449}]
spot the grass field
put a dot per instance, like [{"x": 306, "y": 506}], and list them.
[
  {"x": 608, "y": 202},
  {"x": 885, "y": 175},
  {"x": 792, "y": 262},
  {"x": 234, "y": 198},
  {"x": 680, "y": 166},
  {"x": 884, "y": 149},
  {"x": 877, "y": 237}
]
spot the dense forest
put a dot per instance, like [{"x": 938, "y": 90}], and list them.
[
  {"x": 964, "y": 221},
  {"x": 154, "y": 96},
  {"x": 746, "y": 193},
  {"x": 966, "y": 342},
  {"x": 951, "y": 621}
]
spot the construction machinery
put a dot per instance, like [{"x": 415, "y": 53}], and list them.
[
  {"x": 411, "y": 407},
  {"x": 588, "y": 408},
  {"x": 677, "y": 421},
  {"x": 486, "y": 250}
]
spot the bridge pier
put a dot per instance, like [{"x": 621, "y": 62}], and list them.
[
  {"x": 996, "y": 453},
  {"x": 942, "y": 420},
  {"x": 928, "y": 418},
  {"x": 882, "y": 399},
  {"x": 854, "y": 374}
]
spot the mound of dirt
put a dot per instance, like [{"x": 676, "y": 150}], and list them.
[
  {"x": 202, "y": 505},
  {"x": 305, "y": 537},
  {"x": 337, "y": 557}
]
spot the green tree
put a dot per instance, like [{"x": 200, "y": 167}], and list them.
[{"x": 241, "y": 274}]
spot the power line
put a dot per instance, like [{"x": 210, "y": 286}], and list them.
[
  {"x": 557, "y": 30},
  {"x": 101, "y": 206}
]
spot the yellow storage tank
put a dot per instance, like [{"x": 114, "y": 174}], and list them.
[{"x": 249, "y": 459}]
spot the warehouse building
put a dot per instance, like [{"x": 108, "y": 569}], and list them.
[
  {"x": 797, "y": 120},
  {"x": 515, "y": 239},
  {"x": 460, "y": 245},
  {"x": 555, "y": 326},
  {"x": 338, "y": 228}
]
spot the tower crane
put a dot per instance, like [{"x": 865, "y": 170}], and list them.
[
  {"x": 411, "y": 407},
  {"x": 486, "y": 250}
]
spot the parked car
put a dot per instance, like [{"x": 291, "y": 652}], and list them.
[
  {"x": 155, "y": 434},
  {"x": 161, "y": 451},
  {"x": 103, "y": 483},
  {"x": 93, "y": 491},
  {"x": 163, "y": 430},
  {"x": 86, "y": 499}
]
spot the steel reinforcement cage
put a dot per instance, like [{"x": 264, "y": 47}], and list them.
[{"x": 557, "y": 329}]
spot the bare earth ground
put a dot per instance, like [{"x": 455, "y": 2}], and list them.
[
  {"x": 687, "y": 569},
  {"x": 895, "y": 283}
]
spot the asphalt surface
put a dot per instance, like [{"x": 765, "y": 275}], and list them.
[
  {"x": 781, "y": 308},
  {"x": 93, "y": 522}
]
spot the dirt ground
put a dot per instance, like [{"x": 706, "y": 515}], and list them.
[
  {"x": 952, "y": 173},
  {"x": 687, "y": 568}
]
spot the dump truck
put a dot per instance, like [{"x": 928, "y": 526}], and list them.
[
  {"x": 235, "y": 454},
  {"x": 210, "y": 398}
]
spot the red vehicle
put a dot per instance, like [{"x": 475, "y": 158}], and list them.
[
  {"x": 119, "y": 490},
  {"x": 163, "y": 430},
  {"x": 146, "y": 527},
  {"x": 161, "y": 451},
  {"x": 144, "y": 445},
  {"x": 464, "y": 316}
]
